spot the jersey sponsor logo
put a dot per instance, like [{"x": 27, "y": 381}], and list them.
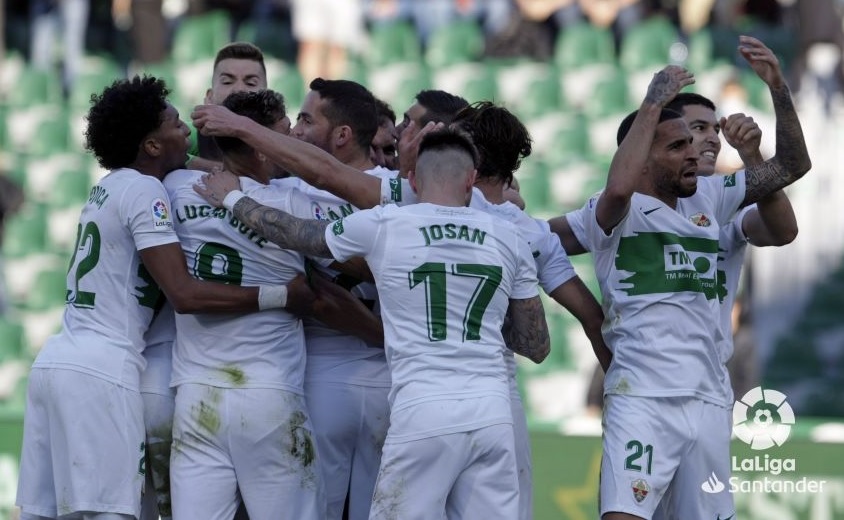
[
  {"x": 730, "y": 180},
  {"x": 762, "y": 418},
  {"x": 395, "y": 189},
  {"x": 648, "y": 212},
  {"x": 668, "y": 263},
  {"x": 712, "y": 484},
  {"x": 640, "y": 489},
  {"x": 337, "y": 228},
  {"x": 700, "y": 220},
  {"x": 161, "y": 215}
]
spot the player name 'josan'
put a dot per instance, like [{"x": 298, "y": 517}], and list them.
[
  {"x": 436, "y": 232},
  {"x": 192, "y": 212}
]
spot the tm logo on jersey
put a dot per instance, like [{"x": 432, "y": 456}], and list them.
[
  {"x": 160, "y": 215},
  {"x": 668, "y": 263}
]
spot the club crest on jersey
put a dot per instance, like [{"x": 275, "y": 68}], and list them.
[
  {"x": 730, "y": 180},
  {"x": 337, "y": 228},
  {"x": 640, "y": 489},
  {"x": 700, "y": 220},
  {"x": 161, "y": 215},
  {"x": 317, "y": 211}
]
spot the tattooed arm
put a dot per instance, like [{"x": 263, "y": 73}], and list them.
[
  {"x": 527, "y": 330},
  {"x": 304, "y": 235},
  {"x": 791, "y": 160}
]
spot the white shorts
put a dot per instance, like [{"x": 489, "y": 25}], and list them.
[
  {"x": 339, "y": 23},
  {"x": 665, "y": 451},
  {"x": 259, "y": 440},
  {"x": 83, "y": 446},
  {"x": 158, "y": 421},
  {"x": 351, "y": 424},
  {"x": 524, "y": 466},
  {"x": 465, "y": 475}
]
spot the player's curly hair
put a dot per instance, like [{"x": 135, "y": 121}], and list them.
[
  {"x": 265, "y": 107},
  {"x": 501, "y": 139},
  {"x": 122, "y": 116}
]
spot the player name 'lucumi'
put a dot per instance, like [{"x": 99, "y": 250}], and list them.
[{"x": 451, "y": 231}]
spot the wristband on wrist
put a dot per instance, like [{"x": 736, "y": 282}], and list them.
[
  {"x": 272, "y": 297},
  {"x": 231, "y": 198}
]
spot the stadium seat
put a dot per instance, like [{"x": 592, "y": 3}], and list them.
[
  {"x": 26, "y": 232},
  {"x": 609, "y": 96},
  {"x": 457, "y": 42},
  {"x": 570, "y": 142},
  {"x": 542, "y": 95},
  {"x": 12, "y": 340},
  {"x": 583, "y": 45},
  {"x": 393, "y": 42},
  {"x": 533, "y": 185},
  {"x": 88, "y": 84},
  {"x": 647, "y": 44},
  {"x": 398, "y": 83},
  {"x": 70, "y": 188},
  {"x": 35, "y": 87},
  {"x": 200, "y": 37},
  {"x": 52, "y": 136},
  {"x": 289, "y": 82},
  {"x": 701, "y": 48},
  {"x": 49, "y": 291}
]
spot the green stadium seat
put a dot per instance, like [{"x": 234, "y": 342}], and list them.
[
  {"x": 583, "y": 45},
  {"x": 457, "y": 42},
  {"x": 570, "y": 142},
  {"x": 701, "y": 51},
  {"x": 609, "y": 97},
  {"x": 12, "y": 340},
  {"x": 542, "y": 95},
  {"x": 533, "y": 177},
  {"x": 52, "y": 136},
  {"x": 35, "y": 87},
  {"x": 199, "y": 37},
  {"x": 26, "y": 232},
  {"x": 89, "y": 84},
  {"x": 70, "y": 189},
  {"x": 291, "y": 85},
  {"x": 394, "y": 42},
  {"x": 647, "y": 44},
  {"x": 49, "y": 291},
  {"x": 481, "y": 87}
]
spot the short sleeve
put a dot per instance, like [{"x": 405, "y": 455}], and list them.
[
  {"x": 525, "y": 282},
  {"x": 732, "y": 234},
  {"x": 575, "y": 220},
  {"x": 354, "y": 235},
  {"x": 553, "y": 267},
  {"x": 146, "y": 207},
  {"x": 594, "y": 237}
]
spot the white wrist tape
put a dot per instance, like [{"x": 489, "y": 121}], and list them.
[
  {"x": 272, "y": 297},
  {"x": 231, "y": 198}
]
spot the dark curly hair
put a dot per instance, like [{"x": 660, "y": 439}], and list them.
[
  {"x": 501, "y": 139},
  {"x": 122, "y": 116},
  {"x": 265, "y": 107}
]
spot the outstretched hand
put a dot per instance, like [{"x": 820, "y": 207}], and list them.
[
  {"x": 215, "y": 120},
  {"x": 409, "y": 142},
  {"x": 762, "y": 60},
  {"x": 667, "y": 83},
  {"x": 742, "y": 133},
  {"x": 216, "y": 185}
]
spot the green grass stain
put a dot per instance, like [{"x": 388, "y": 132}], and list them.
[
  {"x": 301, "y": 445},
  {"x": 234, "y": 375},
  {"x": 207, "y": 417}
]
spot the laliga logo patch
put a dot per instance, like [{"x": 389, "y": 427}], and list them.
[
  {"x": 640, "y": 489},
  {"x": 160, "y": 215},
  {"x": 337, "y": 228},
  {"x": 700, "y": 220}
]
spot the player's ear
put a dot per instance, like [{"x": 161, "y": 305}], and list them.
[
  {"x": 342, "y": 135},
  {"x": 471, "y": 179},
  {"x": 151, "y": 146},
  {"x": 411, "y": 178},
  {"x": 208, "y": 97}
]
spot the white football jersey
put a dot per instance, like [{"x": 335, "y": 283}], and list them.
[
  {"x": 661, "y": 293},
  {"x": 445, "y": 276},
  {"x": 262, "y": 349},
  {"x": 329, "y": 350},
  {"x": 110, "y": 295}
]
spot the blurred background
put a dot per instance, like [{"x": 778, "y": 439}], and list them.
[{"x": 570, "y": 69}]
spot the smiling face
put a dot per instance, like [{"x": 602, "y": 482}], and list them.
[
  {"x": 673, "y": 161},
  {"x": 704, "y": 126},
  {"x": 311, "y": 124}
]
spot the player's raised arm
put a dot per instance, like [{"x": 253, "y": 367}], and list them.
[
  {"x": 561, "y": 227},
  {"x": 527, "y": 333},
  {"x": 629, "y": 160},
  {"x": 791, "y": 160},
  {"x": 315, "y": 166},
  {"x": 772, "y": 222}
]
